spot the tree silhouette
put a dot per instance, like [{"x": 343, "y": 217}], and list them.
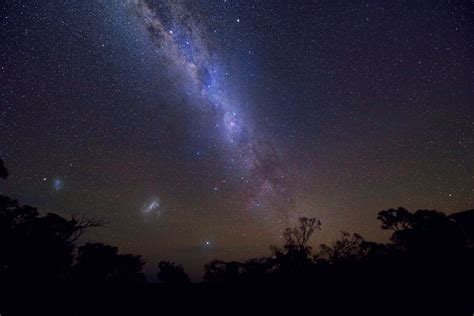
[
  {"x": 97, "y": 262},
  {"x": 172, "y": 274},
  {"x": 351, "y": 248},
  {"x": 465, "y": 222},
  {"x": 297, "y": 238},
  {"x": 256, "y": 270},
  {"x": 425, "y": 233},
  {"x": 218, "y": 271},
  {"x": 295, "y": 256},
  {"x": 396, "y": 219},
  {"x": 430, "y": 255},
  {"x": 293, "y": 259},
  {"x": 3, "y": 170},
  {"x": 35, "y": 247},
  {"x": 354, "y": 249},
  {"x": 26, "y": 238}
]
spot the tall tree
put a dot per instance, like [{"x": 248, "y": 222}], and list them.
[{"x": 295, "y": 256}]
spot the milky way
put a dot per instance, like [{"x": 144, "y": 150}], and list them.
[{"x": 182, "y": 43}]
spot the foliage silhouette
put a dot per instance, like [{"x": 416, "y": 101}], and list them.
[
  {"x": 465, "y": 221},
  {"x": 172, "y": 274},
  {"x": 425, "y": 234},
  {"x": 352, "y": 248},
  {"x": 41, "y": 248},
  {"x": 3, "y": 170},
  {"x": 97, "y": 262},
  {"x": 27, "y": 237},
  {"x": 288, "y": 263},
  {"x": 427, "y": 263},
  {"x": 218, "y": 271},
  {"x": 428, "y": 258},
  {"x": 294, "y": 260}
]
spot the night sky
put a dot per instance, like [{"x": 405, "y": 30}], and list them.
[{"x": 201, "y": 129}]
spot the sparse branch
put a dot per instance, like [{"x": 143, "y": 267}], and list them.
[{"x": 82, "y": 223}]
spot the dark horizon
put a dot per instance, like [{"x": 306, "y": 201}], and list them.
[{"x": 426, "y": 266}]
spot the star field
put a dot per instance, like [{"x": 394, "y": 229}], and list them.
[{"x": 201, "y": 129}]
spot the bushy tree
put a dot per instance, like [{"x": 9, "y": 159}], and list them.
[
  {"x": 172, "y": 274},
  {"x": 97, "y": 262},
  {"x": 425, "y": 233},
  {"x": 34, "y": 246},
  {"x": 3, "y": 170},
  {"x": 218, "y": 271},
  {"x": 350, "y": 248}
]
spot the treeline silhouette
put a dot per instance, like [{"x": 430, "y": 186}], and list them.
[{"x": 427, "y": 264}]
